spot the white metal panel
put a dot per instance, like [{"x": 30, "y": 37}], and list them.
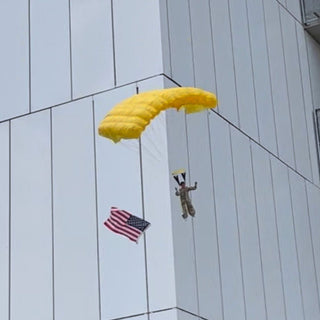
[
  {"x": 204, "y": 69},
  {"x": 313, "y": 197},
  {"x": 307, "y": 95},
  {"x": 205, "y": 228},
  {"x": 287, "y": 241},
  {"x": 50, "y": 53},
  {"x": 261, "y": 75},
  {"x": 92, "y": 48},
  {"x": 278, "y": 82},
  {"x": 157, "y": 208},
  {"x": 143, "y": 317},
  {"x": 297, "y": 105},
  {"x": 137, "y": 37},
  {"x": 243, "y": 68},
  {"x": 223, "y": 53},
  {"x": 183, "y": 229},
  {"x": 182, "y": 67},
  {"x": 165, "y": 38},
  {"x": 248, "y": 226},
  {"x": 228, "y": 233},
  {"x": 314, "y": 67},
  {"x": 74, "y": 213},
  {"x": 304, "y": 247},
  {"x": 122, "y": 262},
  {"x": 31, "y": 218},
  {"x": 164, "y": 315},
  {"x": 4, "y": 221},
  {"x": 294, "y": 6},
  {"x": 14, "y": 58},
  {"x": 183, "y": 315},
  {"x": 268, "y": 233}
]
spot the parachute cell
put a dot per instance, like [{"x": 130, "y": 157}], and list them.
[{"x": 129, "y": 118}]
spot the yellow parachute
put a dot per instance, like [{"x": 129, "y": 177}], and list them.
[{"x": 129, "y": 118}]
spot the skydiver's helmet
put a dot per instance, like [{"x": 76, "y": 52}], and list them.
[{"x": 179, "y": 176}]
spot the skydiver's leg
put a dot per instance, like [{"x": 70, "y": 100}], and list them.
[
  {"x": 184, "y": 210},
  {"x": 191, "y": 210}
]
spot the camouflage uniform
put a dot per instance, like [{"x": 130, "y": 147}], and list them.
[{"x": 187, "y": 207}]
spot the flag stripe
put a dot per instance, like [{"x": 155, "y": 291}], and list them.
[
  {"x": 126, "y": 213},
  {"x": 123, "y": 213},
  {"x": 123, "y": 222},
  {"x": 116, "y": 218},
  {"x": 124, "y": 227},
  {"x": 119, "y": 216},
  {"x": 112, "y": 228}
]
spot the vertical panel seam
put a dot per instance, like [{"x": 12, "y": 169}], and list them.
[
  {"x": 295, "y": 243},
  {"x": 113, "y": 44},
  {"x": 192, "y": 45},
  {"x": 29, "y": 51},
  {"x": 316, "y": 128},
  {"x": 169, "y": 37},
  {"x": 278, "y": 240},
  {"x": 258, "y": 230},
  {"x": 216, "y": 220},
  {"x": 238, "y": 228},
  {"x": 309, "y": 74},
  {"x": 303, "y": 99},
  {"x": 9, "y": 224},
  {"x": 313, "y": 104},
  {"x": 269, "y": 74},
  {"x": 287, "y": 86},
  {"x": 312, "y": 244},
  {"x": 143, "y": 215},
  {"x": 70, "y": 49},
  {"x": 52, "y": 217},
  {"x": 96, "y": 204},
  {"x": 233, "y": 64},
  {"x": 212, "y": 49},
  {"x": 252, "y": 71}
]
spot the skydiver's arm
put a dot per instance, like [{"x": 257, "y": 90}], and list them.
[
  {"x": 177, "y": 192},
  {"x": 193, "y": 188}
]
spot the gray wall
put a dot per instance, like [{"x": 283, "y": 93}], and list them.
[
  {"x": 251, "y": 252},
  {"x": 255, "y": 55}
]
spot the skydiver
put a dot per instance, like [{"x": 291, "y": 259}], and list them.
[{"x": 183, "y": 192}]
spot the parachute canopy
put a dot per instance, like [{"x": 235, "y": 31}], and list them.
[
  {"x": 178, "y": 172},
  {"x": 129, "y": 118}
]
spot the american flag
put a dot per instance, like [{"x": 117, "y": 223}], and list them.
[{"x": 125, "y": 223}]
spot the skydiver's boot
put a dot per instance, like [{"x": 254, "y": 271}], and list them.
[
  {"x": 191, "y": 210},
  {"x": 184, "y": 210}
]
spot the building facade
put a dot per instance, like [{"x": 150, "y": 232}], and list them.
[{"x": 253, "y": 249}]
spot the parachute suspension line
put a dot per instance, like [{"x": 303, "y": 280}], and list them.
[
  {"x": 192, "y": 220},
  {"x": 149, "y": 139}
]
